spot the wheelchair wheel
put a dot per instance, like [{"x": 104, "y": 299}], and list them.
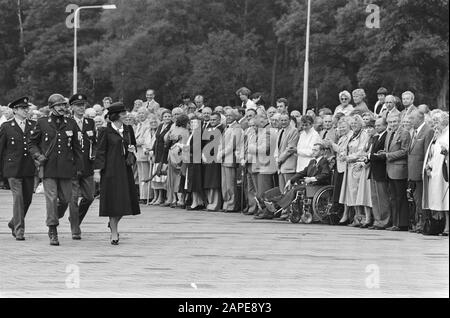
[{"x": 322, "y": 202}]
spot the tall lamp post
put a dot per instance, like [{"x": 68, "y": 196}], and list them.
[
  {"x": 306, "y": 68},
  {"x": 76, "y": 25}
]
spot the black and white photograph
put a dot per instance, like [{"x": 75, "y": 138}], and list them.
[{"x": 246, "y": 151}]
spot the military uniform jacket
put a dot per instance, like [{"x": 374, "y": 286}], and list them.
[
  {"x": 15, "y": 158},
  {"x": 88, "y": 142},
  {"x": 66, "y": 157}
]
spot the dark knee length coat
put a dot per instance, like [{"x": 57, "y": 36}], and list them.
[{"x": 118, "y": 196}]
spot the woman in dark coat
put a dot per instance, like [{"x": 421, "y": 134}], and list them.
[
  {"x": 160, "y": 152},
  {"x": 118, "y": 196}
]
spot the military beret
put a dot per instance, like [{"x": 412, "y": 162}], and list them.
[
  {"x": 78, "y": 99},
  {"x": 21, "y": 102}
]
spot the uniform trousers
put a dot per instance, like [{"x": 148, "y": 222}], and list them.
[
  {"x": 57, "y": 190},
  {"x": 22, "y": 191},
  {"x": 83, "y": 187}
]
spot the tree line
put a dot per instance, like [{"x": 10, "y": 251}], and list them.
[{"x": 213, "y": 47}]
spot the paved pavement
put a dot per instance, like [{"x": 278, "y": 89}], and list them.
[{"x": 177, "y": 253}]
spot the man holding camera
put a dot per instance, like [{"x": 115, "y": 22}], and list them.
[{"x": 54, "y": 144}]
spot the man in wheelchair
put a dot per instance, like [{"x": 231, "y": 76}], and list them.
[{"x": 317, "y": 172}]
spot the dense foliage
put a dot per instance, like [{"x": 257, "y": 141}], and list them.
[{"x": 212, "y": 47}]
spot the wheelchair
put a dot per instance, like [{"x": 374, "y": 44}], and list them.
[{"x": 313, "y": 203}]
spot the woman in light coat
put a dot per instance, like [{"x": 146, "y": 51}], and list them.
[{"x": 435, "y": 179}]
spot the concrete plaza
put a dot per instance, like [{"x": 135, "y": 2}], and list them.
[{"x": 177, "y": 253}]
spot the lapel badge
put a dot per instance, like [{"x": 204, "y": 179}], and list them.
[
  {"x": 12, "y": 124},
  {"x": 65, "y": 121},
  {"x": 49, "y": 120}
]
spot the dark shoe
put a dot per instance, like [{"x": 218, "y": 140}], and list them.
[
  {"x": 267, "y": 215},
  {"x": 173, "y": 205},
  {"x": 165, "y": 205},
  {"x": 12, "y": 229},
  {"x": 365, "y": 225},
  {"x": 444, "y": 233},
  {"x": 354, "y": 225},
  {"x": 347, "y": 222},
  {"x": 76, "y": 237},
  {"x": 54, "y": 240},
  {"x": 114, "y": 242},
  {"x": 183, "y": 206},
  {"x": 20, "y": 237}
]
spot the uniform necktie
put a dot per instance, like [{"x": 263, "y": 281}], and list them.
[
  {"x": 325, "y": 134},
  {"x": 22, "y": 125}
]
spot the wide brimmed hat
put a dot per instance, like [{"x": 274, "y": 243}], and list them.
[{"x": 115, "y": 108}]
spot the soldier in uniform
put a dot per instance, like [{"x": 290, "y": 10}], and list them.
[
  {"x": 54, "y": 144},
  {"x": 82, "y": 184},
  {"x": 16, "y": 163}
]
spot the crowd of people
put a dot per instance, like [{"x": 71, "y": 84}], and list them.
[{"x": 225, "y": 158}]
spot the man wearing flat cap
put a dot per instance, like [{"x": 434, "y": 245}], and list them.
[
  {"x": 55, "y": 146},
  {"x": 83, "y": 182},
  {"x": 16, "y": 163}
]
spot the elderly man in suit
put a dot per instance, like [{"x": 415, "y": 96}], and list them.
[
  {"x": 286, "y": 151},
  {"x": 265, "y": 158},
  {"x": 150, "y": 104},
  {"x": 249, "y": 163},
  {"x": 317, "y": 172},
  {"x": 230, "y": 155},
  {"x": 408, "y": 102},
  {"x": 16, "y": 163},
  {"x": 390, "y": 107},
  {"x": 396, "y": 154},
  {"x": 381, "y": 207},
  {"x": 422, "y": 135}
]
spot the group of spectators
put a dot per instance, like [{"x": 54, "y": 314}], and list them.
[{"x": 225, "y": 158}]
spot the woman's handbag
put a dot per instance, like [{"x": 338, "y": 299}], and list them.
[{"x": 130, "y": 159}]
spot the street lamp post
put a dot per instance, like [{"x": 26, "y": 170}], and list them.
[
  {"x": 76, "y": 25},
  {"x": 306, "y": 68}
]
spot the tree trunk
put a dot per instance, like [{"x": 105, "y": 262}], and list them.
[
  {"x": 274, "y": 76},
  {"x": 442, "y": 97},
  {"x": 19, "y": 14}
]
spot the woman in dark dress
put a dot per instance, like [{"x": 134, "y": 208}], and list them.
[
  {"x": 160, "y": 152},
  {"x": 118, "y": 196}
]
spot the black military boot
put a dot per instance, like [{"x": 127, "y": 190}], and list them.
[{"x": 53, "y": 234}]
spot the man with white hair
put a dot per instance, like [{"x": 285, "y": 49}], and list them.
[
  {"x": 199, "y": 101},
  {"x": 408, "y": 102},
  {"x": 90, "y": 113},
  {"x": 98, "y": 109}
]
